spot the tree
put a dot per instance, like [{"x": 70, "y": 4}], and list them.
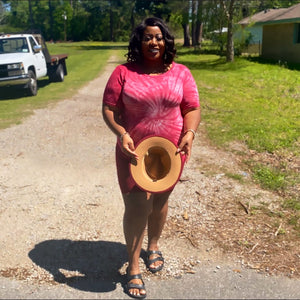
[
  {"x": 30, "y": 15},
  {"x": 3, "y": 13},
  {"x": 186, "y": 29},
  {"x": 113, "y": 20},
  {"x": 51, "y": 21},
  {"x": 197, "y": 22},
  {"x": 180, "y": 18},
  {"x": 229, "y": 9}
]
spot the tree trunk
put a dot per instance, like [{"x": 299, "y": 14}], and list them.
[
  {"x": 199, "y": 28},
  {"x": 51, "y": 19},
  {"x": 230, "y": 43},
  {"x": 30, "y": 15},
  {"x": 186, "y": 34},
  {"x": 194, "y": 19},
  {"x": 199, "y": 24},
  {"x": 229, "y": 14}
]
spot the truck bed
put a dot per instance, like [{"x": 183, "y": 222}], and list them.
[{"x": 54, "y": 59}]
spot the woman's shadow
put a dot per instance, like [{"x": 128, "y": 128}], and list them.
[{"x": 84, "y": 265}]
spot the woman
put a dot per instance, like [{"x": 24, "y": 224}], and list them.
[{"x": 148, "y": 95}]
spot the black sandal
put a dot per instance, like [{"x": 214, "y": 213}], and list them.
[
  {"x": 130, "y": 286},
  {"x": 151, "y": 261}
]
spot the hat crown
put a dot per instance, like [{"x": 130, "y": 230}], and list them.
[{"x": 157, "y": 163}]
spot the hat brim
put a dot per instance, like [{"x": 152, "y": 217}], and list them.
[{"x": 167, "y": 160}]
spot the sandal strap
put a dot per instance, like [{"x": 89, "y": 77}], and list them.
[
  {"x": 150, "y": 252},
  {"x": 158, "y": 258},
  {"x": 135, "y": 276},
  {"x": 135, "y": 286}
]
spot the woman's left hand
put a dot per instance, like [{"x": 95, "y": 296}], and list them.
[{"x": 185, "y": 146}]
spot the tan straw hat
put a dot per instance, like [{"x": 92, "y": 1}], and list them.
[{"x": 159, "y": 166}]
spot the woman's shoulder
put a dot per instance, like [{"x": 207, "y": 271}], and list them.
[
  {"x": 125, "y": 69},
  {"x": 121, "y": 71},
  {"x": 128, "y": 66}
]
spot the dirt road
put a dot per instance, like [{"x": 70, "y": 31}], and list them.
[{"x": 61, "y": 209}]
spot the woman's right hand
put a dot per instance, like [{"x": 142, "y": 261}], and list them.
[
  {"x": 112, "y": 119},
  {"x": 128, "y": 146}
]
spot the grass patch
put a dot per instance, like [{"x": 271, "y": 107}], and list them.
[
  {"x": 238, "y": 177},
  {"x": 255, "y": 103},
  {"x": 294, "y": 204},
  {"x": 86, "y": 60},
  {"x": 270, "y": 177}
]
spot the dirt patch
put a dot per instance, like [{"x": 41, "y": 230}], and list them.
[{"x": 62, "y": 208}]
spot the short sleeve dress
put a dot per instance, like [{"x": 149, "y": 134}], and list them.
[{"x": 149, "y": 105}]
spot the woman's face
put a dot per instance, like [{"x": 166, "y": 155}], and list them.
[{"x": 153, "y": 44}]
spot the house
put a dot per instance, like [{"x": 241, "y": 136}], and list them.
[{"x": 276, "y": 32}]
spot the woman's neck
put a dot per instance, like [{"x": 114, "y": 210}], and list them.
[{"x": 155, "y": 68}]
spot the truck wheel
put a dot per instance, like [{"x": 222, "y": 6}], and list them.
[
  {"x": 58, "y": 74},
  {"x": 32, "y": 85}
]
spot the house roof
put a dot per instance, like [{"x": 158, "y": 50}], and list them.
[{"x": 280, "y": 15}]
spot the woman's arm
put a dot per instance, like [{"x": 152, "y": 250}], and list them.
[
  {"x": 112, "y": 119},
  {"x": 191, "y": 122}
]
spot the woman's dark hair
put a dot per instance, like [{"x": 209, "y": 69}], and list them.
[{"x": 134, "y": 53}]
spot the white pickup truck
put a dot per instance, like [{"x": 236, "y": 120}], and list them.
[{"x": 24, "y": 58}]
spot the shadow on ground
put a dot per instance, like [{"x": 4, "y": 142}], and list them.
[
  {"x": 17, "y": 92},
  {"x": 84, "y": 265}
]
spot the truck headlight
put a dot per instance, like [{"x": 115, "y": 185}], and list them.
[
  {"x": 15, "y": 66},
  {"x": 15, "y": 69}
]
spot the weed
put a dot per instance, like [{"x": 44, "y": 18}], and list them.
[
  {"x": 269, "y": 177},
  {"x": 293, "y": 204},
  {"x": 234, "y": 176}
]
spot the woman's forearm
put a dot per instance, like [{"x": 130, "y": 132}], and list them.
[
  {"x": 191, "y": 120},
  {"x": 110, "y": 117}
]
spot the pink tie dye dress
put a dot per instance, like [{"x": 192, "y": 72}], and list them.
[{"x": 149, "y": 105}]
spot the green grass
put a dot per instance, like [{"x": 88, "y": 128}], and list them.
[
  {"x": 258, "y": 104},
  {"x": 85, "y": 61},
  {"x": 254, "y": 103},
  {"x": 270, "y": 177}
]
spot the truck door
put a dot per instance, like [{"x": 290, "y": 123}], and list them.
[{"x": 41, "y": 66}]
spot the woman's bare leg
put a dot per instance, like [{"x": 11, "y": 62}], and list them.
[
  {"x": 156, "y": 222},
  {"x": 138, "y": 206}
]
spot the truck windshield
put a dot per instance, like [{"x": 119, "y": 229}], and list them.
[{"x": 13, "y": 45}]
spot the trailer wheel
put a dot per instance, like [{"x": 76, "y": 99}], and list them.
[
  {"x": 58, "y": 74},
  {"x": 32, "y": 85}
]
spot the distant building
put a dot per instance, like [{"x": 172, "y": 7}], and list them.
[{"x": 275, "y": 33}]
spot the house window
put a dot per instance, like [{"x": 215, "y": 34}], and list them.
[{"x": 297, "y": 33}]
